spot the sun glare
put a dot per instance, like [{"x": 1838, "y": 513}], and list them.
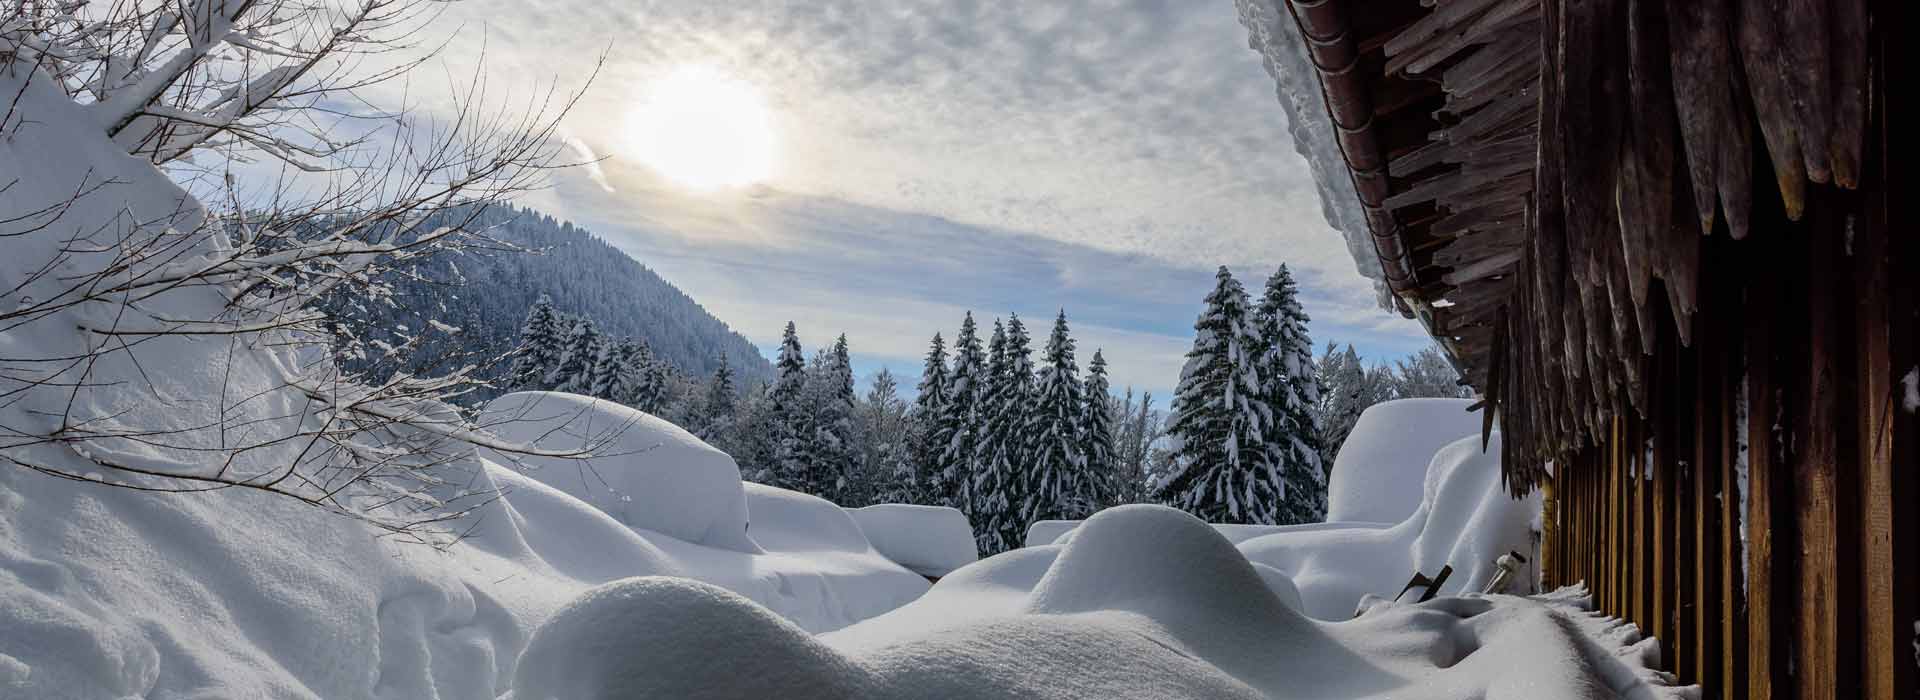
[{"x": 704, "y": 130}]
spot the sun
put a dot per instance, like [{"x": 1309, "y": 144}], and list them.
[{"x": 704, "y": 130}]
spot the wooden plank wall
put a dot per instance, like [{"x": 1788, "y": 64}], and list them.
[{"x": 1803, "y": 342}]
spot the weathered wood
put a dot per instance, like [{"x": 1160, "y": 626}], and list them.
[
  {"x": 1713, "y": 123},
  {"x": 1820, "y": 463},
  {"x": 1766, "y": 657},
  {"x": 1764, "y": 54}
]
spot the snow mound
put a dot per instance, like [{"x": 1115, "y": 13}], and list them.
[
  {"x": 599, "y": 646},
  {"x": 931, "y": 540},
  {"x": 1145, "y": 602},
  {"x": 1382, "y": 467},
  {"x": 1465, "y": 519},
  {"x": 645, "y": 471},
  {"x": 1059, "y": 531}
]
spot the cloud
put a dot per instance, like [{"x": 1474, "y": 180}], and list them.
[{"x": 943, "y": 155}]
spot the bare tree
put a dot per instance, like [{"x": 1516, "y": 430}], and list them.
[{"x": 158, "y": 341}]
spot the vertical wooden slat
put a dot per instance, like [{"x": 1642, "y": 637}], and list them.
[
  {"x": 1700, "y": 518},
  {"x": 1660, "y": 506},
  {"x": 1821, "y": 464},
  {"x": 1890, "y": 533},
  {"x": 1764, "y": 658},
  {"x": 1733, "y": 586},
  {"x": 1649, "y": 501}
]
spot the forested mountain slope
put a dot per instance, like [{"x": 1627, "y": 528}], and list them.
[{"x": 485, "y": 294}]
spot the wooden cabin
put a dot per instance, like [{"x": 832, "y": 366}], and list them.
[{"x": 1654, "y": 236}]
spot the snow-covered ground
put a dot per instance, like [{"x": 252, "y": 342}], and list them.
[
  {"x": 108, "y": 593},
  {"x": 1417, "y": 465},
  {"x": 1144, "y": 602}
]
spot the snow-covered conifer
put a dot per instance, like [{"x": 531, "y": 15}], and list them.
[
  {"x": 1220, "y": 418},
  {"x": 957, "y": 430},
  {"x": 715, "y": 414},
  {"x": 574, "y": 373},
  {"x": 1292, "y": 389},
  {"x": 923, "y": 427},
  {"x": 541, "y": 344},
  {"x": 1096, "y": 438},
  {"x": 1056, "y": 484},
  {"x": 792, "y": 417},
  {"x": 998, "y": 483}
]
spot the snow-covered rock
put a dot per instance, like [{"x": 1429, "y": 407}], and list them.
[
  {"x": 1382, "y": 467},
  {"x": 1145, "y": 602},
  {"x": 931, "y": 540},
  {"x": 644, "y": 471}
]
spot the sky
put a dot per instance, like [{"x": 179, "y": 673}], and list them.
[{"x": 931, "y": 157}]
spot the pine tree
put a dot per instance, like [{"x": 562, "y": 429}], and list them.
[
  {"x": 886, "y": 472},
  {"x": 792, "y": 417},
  {"x": 1096, "y": 438},
  {"x": 957, "y": 430},
  {"x": 541, "y": 344},
  {"x": 634, "y": 381},
  {"x": 1220, "y": 418},
  {"x": 1055, "y": 483},
  {"x": 603, "y": 378},
  {"x": 717, "y": 411},
  {"x": 832, "y": 449},
  {"x": 1343, "y": 395},
  {"x": 923, "y": 458},
  {"x": 1291, "y": 389},
  {"x": 574, "y": 373},
  {"x": 998, "y": 483}
]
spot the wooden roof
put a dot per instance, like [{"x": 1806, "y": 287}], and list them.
[{"x": 1547, "y": 232}]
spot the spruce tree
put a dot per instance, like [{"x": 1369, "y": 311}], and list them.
[
  {"x": 923, "y": 428},
  {"x": 717, "y": 411},
  {"x": 541, "y": 343},
  {"x": 637, "y": 381},
  {"x": 574, "y": 373},
  {"x": 1055, "y": 482},
  {"x": 1291, "y": 389},
  {"x": 1345, "y": 391},
  {"x": 1096, "y": 438},
  {"x": 792, "y": 417},
  {"x": 998, "y": 483},
  {"x": 956, "y": 432},
  {"x": 1220, "y": 418},
  {"x": 603, "y": 378},
  {"x": 832, "y": 449}
]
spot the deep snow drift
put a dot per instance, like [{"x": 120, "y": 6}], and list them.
[
  {"x": 114, "y": 593},
  {"x": 1144, "y": 602},
  {"x": 1444, "y": 496},
  {"x": 931, "y": 540},
  {"x": 1381, "y": 471}
]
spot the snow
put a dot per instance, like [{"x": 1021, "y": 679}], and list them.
[
  {"x": 1060, "y": 531},
  {"x": 1465, "y": 519},
  {"x": 930, "y": 540},
  {"x": 1411, "y": 491},
  {"x": 1146, "y": 602},
  {"x": 1272, "y": 32},
  {"x": 644, "y": 471},
  {"x": 1379, "y": 474}
]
